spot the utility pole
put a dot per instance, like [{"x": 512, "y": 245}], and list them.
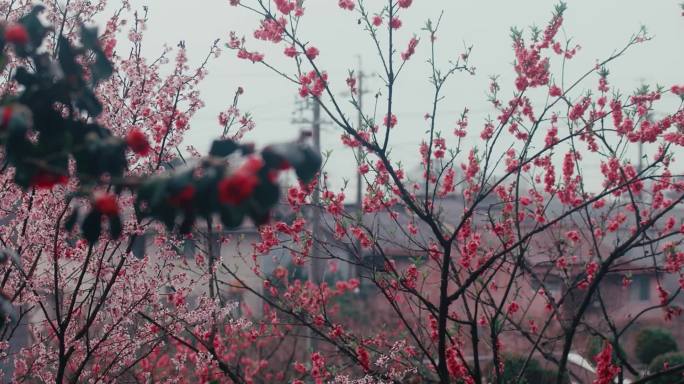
[
  {"x": 359, "y": 178},
  {"x": 315, "y": 265},
  {"x": 313, "y": 211}
]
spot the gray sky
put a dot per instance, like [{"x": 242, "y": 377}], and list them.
[{"x": 598, "y": 26}]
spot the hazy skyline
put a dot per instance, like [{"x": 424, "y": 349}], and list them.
[{"x": 598, "y": 27}]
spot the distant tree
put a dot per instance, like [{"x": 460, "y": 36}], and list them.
[
  {"x": 667, "y": 362},
  {"x": 653, "y": 342},
  {"x": 518, "y": 369}
]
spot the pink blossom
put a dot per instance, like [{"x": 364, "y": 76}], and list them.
[
  {"x": 312, "y": 52},
  {"x": 347, "y": 4},
  {"x": 390, "y": 122},
  {"x": 290, "y": 51},
  {"x": 605, "y": 369},
  {"x": 410, "y": 50}
]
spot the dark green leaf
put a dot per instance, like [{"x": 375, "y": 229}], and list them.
[
  {"x": 222, "y": 148},
  {"x": 70, "y": 222},
  {"x": 24, "y": 77},
  {"x": 266, "y": 194},
  {"x": 303, "y": 158},
  {"x": 73, "y": 72},
  {"x": 187, "y": 223},
  {"x": 89, "y": 102},
  {"x": 102, "y": 68},
  {"x": 7, "y": 311},
  {"x": 89, "y": 37},
  {"x": 115, "y": 226},
  {"x": 35, "y": 28},
  {"x": 231, "y": 217},
  {"x": 92, "y": 226}
]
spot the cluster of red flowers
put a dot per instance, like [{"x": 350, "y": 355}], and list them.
[
  {"x": 242, "y": 53},
  {"x": 312, "y": 84},
  {"x": 137, "y": 142},
  {"x": 183, "y": 198},
  {"x": 532, "y": 69},
  {"x": 347, "y": 4},
  {"x": 312, "y": 52},
  {"x": 285, "y": 6},
  {"x": 390, "y": 122},
  {"x": 411, "y": 49},
  {"x": 677, "y": 90},
  {"x": 271, "y": 30},
  {"x": 106, "y": 204},
  {"x": 45, "y": 180},
  {"x": 362, "y": 237},
  {"x": 364, "y": 358},
  {"x": 577, "y": 110},
  {"x": 335, "y": 202},
  {"x": 605, "y": 369},
  {"x": 254, "y": 57},
  {"x": 239, "y": 186},
  {"x": 456, "y": 368},
  {"x": 16, "y": 34}
]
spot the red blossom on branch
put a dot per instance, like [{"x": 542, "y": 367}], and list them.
[
  {"x": 137, "y": 142},
  {"x": 16, "y": 34},
  {"x": 240, "y": 185},
  {"x": 106, "y": 204}
]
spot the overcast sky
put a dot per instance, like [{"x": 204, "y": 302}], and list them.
[{"x": 599, "y": 27}]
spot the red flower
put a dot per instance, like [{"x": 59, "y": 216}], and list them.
[
  {"x": 137, "y": 142},
  {"x": 390, "y": 121},
  {"x": 513, "y": 308},
  {"x": 6, "y": 116},
  {"x": 363, "y": 357},
  {"x": 47, "y": 180},
  {"x": 16, "y": 34},
  {"x": 605, "y": 369},
  {"x": 106, "y": 205},
  {"x": 346, "y": 4},
  {"x": 252, "y": 165},
  {"x": 312, "y": 52},
  {"x": 290, "y": 51},
  {"x": 283, "y": 165},
  {"x": 240, "y": 185},
  {"x": 183, "y": 198},
  {"x": 413, "y": 43},
  {"x": 237, "y": 188}
]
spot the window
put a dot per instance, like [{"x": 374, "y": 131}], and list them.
[
  {"x": 138, "y": 247},
  {"x": 552, "y": 283},
  {"x": 189, "y": 248},
  {"x": 640, "y": 289}
]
